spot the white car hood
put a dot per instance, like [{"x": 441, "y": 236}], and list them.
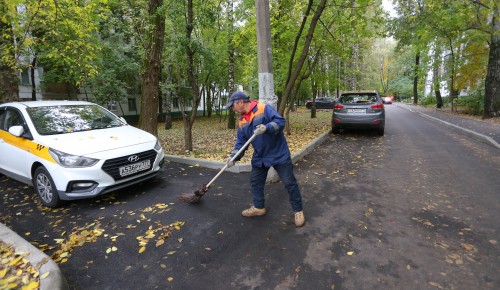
[{"x": 96, "y": 141}]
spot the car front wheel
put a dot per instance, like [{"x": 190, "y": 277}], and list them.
[{"x": 45, "y": 188}]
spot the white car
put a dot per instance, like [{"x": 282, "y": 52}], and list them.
[{"x": 72, "y": 149}]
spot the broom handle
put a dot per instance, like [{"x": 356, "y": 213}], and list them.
[{"x": 232, "y": 159}]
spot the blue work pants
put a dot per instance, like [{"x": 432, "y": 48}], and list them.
[{"x": 258, "y": 178}]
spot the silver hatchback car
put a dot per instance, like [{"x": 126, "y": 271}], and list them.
[{"x": 359, "y": 110}]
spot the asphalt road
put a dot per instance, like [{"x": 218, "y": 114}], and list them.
[{"x": 415, "y": 209}]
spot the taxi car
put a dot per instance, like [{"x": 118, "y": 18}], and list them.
[{"x": 71, "y": 150}]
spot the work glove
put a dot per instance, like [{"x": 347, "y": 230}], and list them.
[
  {"x": 260, "y": 129},
  {"x": 230, "y": 163}
]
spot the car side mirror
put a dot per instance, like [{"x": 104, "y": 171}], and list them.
[
  {"x": 16, "y": 130},
  {"x": 19, "y": 131}
]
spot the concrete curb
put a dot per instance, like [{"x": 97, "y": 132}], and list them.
[
  {"x": 477, "y": 136},
  {"x": 44, "y": 264}
]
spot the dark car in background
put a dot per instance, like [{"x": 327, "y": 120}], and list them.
[
  {"x": 359, "y": 110},
  {"x": 321, "y": 103}
]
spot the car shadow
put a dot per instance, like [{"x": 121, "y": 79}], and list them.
[{"x": 358, "y": 132}]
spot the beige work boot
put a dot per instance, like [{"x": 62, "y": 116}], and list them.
[
  {"x": 299, "y": 218},
  {"x": 253, "y": 211}
]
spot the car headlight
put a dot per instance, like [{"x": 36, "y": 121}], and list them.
[
  {"x": 68, "y": 160},
  {"x": 157, "y": 145}
]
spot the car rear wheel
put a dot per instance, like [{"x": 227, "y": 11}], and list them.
[
  {"x": 45, "y": 188},
  {"x": 380, "y": 132},
  {"x": 335, "y": 130}
]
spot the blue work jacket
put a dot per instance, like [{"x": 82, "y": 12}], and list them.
[{"x": 271, "y": 147}]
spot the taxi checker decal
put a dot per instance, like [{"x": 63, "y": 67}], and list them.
[{"x": 27, "y": 145}]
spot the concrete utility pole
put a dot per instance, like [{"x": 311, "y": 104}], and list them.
[{"x": 265, "y": 54}]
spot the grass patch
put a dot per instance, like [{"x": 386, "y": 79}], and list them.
[{"x": 212, "y": 140}]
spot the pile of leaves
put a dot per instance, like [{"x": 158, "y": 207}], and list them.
[
  {"x": 212, "y": 140},
  {"x": 16, "y": 272}
]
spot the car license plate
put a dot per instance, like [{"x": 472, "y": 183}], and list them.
[
  {"x": 136, "y": 167},
  {"x": 356, "y": 111}
]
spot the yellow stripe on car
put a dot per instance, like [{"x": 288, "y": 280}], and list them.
[{"x": 27, "y": 145}]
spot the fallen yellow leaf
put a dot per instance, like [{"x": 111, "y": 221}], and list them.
[
  {"x": 170, "y": 279},
  {"x": 350, "y": 253},
  {"x": 31, "y": 285},
  {"x": 3, "y": 272},
  {"x": 142, "y": 249}
]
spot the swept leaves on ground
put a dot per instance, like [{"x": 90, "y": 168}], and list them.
[
  {"x": 80, "y": 236},
  {"x": 16, "y": 272},
  {"x": 212, "y": 140}
]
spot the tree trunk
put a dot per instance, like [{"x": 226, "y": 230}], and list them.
[
  {"x": 209, "y": 100},
  {"x": 9, "y": 81},
  {"x": 32, "y": 77},
  {"x": 168, "y": 100},
  {"x": 435, "y": 77},
  {"x": 439, "y": 99},
  {"x": 492, "y": 83},
  {"x": 305, "y": 51},
  {"x": 231, "y": 120},
  {"x": 314, "y": 89},
  {"x": 148, "y": 119},
  {"x": 195, "y": 94},
  {"x": 415, "y": 79}
]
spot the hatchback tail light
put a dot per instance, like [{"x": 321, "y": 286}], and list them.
[
  {"x": 377, "y": 106},
  {"x": 338, "y": 107}
]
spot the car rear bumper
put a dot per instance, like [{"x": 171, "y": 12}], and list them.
[{"x": 358, "y": 121}]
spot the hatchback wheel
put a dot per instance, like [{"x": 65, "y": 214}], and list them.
[
  {"x": 380, "y": 132},
  {"x": 335, "y": 130},
  {"x": 45, "y": 188}
]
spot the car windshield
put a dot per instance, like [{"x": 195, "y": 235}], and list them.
[
  {"x": 358, "y": 98},
  {"x": 50, "y": 120}
]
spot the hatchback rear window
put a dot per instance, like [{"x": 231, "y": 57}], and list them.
[{"x": 358, "y": 98}]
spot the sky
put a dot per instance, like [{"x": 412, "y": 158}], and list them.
[{"x": 388, "y": 6}]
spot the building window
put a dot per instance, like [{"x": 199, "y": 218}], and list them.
[
  {"x": 25, "y": 77},
  {"x": 112, "y": 106},
  {"x": 132, "y": 106}
]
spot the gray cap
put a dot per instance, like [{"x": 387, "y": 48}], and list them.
[{"x": 239, "y": 95}]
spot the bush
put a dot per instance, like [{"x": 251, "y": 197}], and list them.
[
  {"x": 428, "y": 101},
  {"x": 472, "y": 104}
]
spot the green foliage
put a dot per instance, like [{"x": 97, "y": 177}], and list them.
[
  {"x": 428, "y": 101},
  {"x": 119, "y": 60},
  {"x": 459, "y": 31},
  {"x": 472, "y": 104},
  {"x": 63, "y": 36}
]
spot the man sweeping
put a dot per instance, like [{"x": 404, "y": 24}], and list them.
[{"x": 270, "y": 150}]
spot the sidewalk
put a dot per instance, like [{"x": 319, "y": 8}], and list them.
[{"x": 483, "y": 131}]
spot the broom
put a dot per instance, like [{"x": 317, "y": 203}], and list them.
[{"x": 198, "y": 193}]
